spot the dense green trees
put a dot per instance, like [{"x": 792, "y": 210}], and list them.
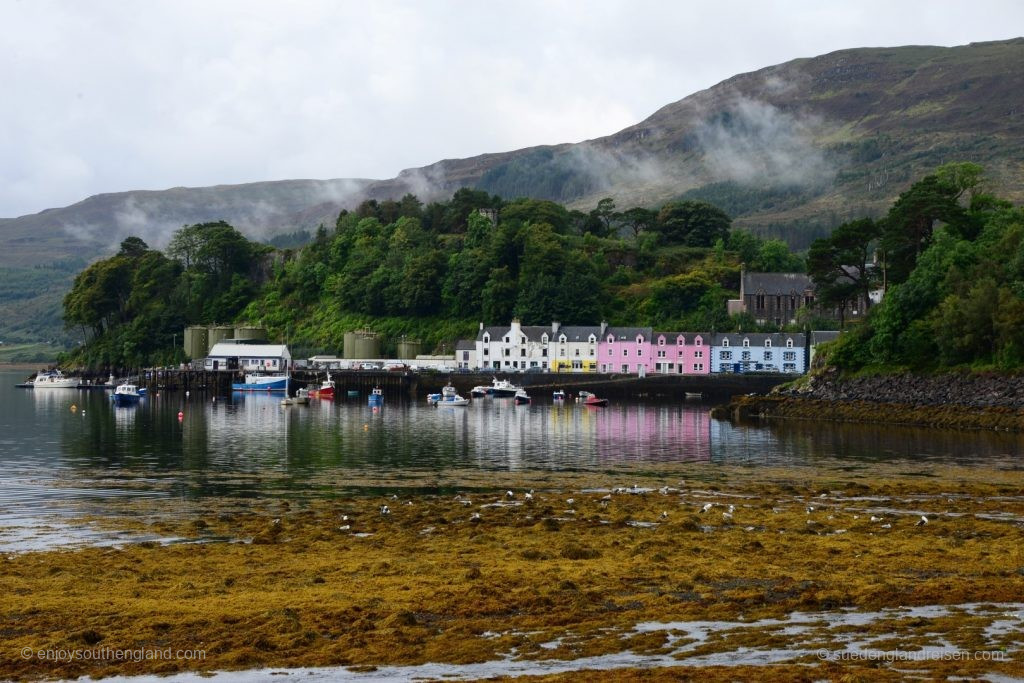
[{"x": 956, "y": 287}]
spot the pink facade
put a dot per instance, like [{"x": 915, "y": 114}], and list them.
[
  {"x": 625, "y": 350},
  {"x": 680, "y": 353}
]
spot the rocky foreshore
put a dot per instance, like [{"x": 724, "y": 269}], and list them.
[{"x": 953, "y": 400}]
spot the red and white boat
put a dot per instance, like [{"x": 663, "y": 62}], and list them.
[
  {"x": 589, "y": 399},
  {"x": 326, "y": 390}
]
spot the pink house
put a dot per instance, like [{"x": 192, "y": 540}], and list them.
[
  {"x": 625, "y": 350},
  {"x": 680, "y": 353}
]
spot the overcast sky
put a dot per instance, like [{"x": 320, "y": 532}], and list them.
[{"x": 103, "y": 96}]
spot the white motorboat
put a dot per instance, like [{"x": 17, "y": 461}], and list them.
[
  {"x": 502, "y": 388},
  {"x": 449, "y": 396},
  {"x": 301, "y": 397},
  {"x": 54, "y": 379},
  {"x": 127, "y": 394}
]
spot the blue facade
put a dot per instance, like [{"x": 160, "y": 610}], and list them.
[{"x": 759, "y": 352}]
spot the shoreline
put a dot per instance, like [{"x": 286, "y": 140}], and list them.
[
  {"x": 588, "y": 569},
  {"x": 782, "y": 407}
]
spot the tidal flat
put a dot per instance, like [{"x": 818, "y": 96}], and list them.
[{"x": 672, "y": 571}]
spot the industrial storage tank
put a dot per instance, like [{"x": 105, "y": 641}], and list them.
[
  {"x": 250, "y": 333},
  {"x": 348, "y": 346},
  {"x": 196, "y": 341},
  {"x": 218, "y": 333},
  {"x": 367, "y": 345},
  {"x": 408, "y": 349}
]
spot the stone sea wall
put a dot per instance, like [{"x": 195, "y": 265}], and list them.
[{"x": 955, "y": 400}]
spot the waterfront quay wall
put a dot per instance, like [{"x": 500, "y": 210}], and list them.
[{"x": 416, "y": 385}]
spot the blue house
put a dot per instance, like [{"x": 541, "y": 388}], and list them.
[{"x": 759, "y": 352}]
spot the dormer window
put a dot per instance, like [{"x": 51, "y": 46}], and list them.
[
  {"x": 789, "y": 343},
  {"x": 680, "y": 341},
  {"x": 697, "y": 341},
  {"x": 544, "y": 338},
  {"x": 746, "y": 343},
  {"x": 767, "y": 343},
  {"x": 725, "y": 343},
  {"x": 592, "y": 339},
  {"x": 639, "y": 339},
  {"x": 487, "y": 339},
  {"x": 661, "y": 341},
  {"x": 562, "y": 339},
  {"x": 611, "y": 339}
]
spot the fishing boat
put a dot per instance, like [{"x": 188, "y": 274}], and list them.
[
  {"x": 502, "y": 388},
  {"x": 325, "y": 390},
  {"x": 300, "y": 398},
  {"x": 127, "y": 394},
  {"x": 481, "y": 391},
  {"x": 376, "y": 397},
  {"x": 589, "y": 399},
  {"x": 450, "y": 397},
  {"x": 558, "y": 395},
  {"x": 54, "y": 379},
  {"x": 261, "y": 382},
  {"x": 521, "y": 398}
]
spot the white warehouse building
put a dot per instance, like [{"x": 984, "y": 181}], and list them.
[{"x": 228, "y": 355}]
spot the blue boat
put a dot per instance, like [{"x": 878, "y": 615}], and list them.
[
  {"x": 254, "y": 382},
  {"x": 376, "y": 397},
  {"x": 127, "y": 394}
]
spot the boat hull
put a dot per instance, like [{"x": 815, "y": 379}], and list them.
[
  {"x": 125, "y": 399},
  {"x": 271, "y": 383},
  {"x": 596, "y": 402}
]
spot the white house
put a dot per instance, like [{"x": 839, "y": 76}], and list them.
[
  {"x": 573, "y": 348},
  {"x": 514, "y": 348},
  {"x": 228, "y": 355}
]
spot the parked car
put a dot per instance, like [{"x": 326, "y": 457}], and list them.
[
  {"x": 369, "y": 366},
  {"x": 396, "y": 367}
]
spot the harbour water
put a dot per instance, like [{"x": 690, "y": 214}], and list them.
[{"x": 72, "y": 451}]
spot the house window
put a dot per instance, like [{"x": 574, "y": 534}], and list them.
[
  {"x": 767, "y": 343},
  {"x": 487, "y": 339},
  {"x": 760, "y": 301},
  {"x": 789, "y": 343},
  {"x": 698, "y": 354},
  {"x": 577, "y": 353},
  {"x": 544, "y": 352},
  {"x": 808, "y": 300},
  {"x": 562, "y": 339},
  {"x": 487, "y": 351},
  {"x": 680, "y": 341},
  {"x": 697, "y": 341},
  {"x": 561, "y": 353},
  {"x": 639, "y": 339},
  {"x": 465, "y": 355},
  {"x": 745, "y": 355},
  {"x": 671, "y": 367},
  {"x": 625, "y": 368},
  {"x": 725, "y": 355},
  {"x": 661, "y": 354},
  {"x": 506, "y": 339},
  {"x": 746, "y": 343},
  {"x": 639, "y": 352},
  {"x": 778, "y": 301},
  {"x": 789, "y": 367},
  {"x": 792, "y": 303},
  {"x": 522, "y": 352},
  {"x": 592, "y": 352},
  {"x": 767, "y": 355},
  {"x": 625, "y": 352},
  {"x": 680, "y": 354},
  {"x": 725, "y": 343},
  {"x": 610, "y": 339},
  {"x": 544, "y": 338},
  {"x": 508, "y": 352},
  {"x": 789, "y": 355},
  {"x": 661, "y": 341},
  {"x": 698, "y": 367}
]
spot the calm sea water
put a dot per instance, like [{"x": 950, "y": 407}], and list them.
[{"x": 52, "y": 456}]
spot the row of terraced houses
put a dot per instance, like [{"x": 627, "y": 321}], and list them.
[{"x": 632, "y": 350}]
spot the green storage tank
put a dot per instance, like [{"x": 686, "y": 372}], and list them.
[
  {"x": 250, "y": 333},
  {"x": 196, "y": 341},
  {"x": 218, "y": 333},
  {"x": 367, "y": 345},
  {"x": 408, "y": 349}
]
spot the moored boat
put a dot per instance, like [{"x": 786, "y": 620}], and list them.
[
  {"x": 301, "y": 397},
  {"x": 481, "y": 391},
  {"x": 502, "y": 388},
  {"x": 127, "y": 394},
  {"x": 376, "y": 397},
  {"x": 54, "y": 379},
  {"x": 558, "y": 395},
  {"x": 261, "y": 382},
  {"x": 589, "y": 399},
  {"x": 521, "y": 397},
  {"x": 325, "y": 390},
  {"x": 450, "y": 397}
]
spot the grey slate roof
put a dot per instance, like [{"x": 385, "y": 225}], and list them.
[
  {"x": 822, "y": 336},
  {"x": 465, "y": 345},
  {"x": 628, "y": 333},
  {"x": 578, "y": 333},
  {"x": 776, "y": 283},
  {"x": 496, "y": 332},
  {"x": 758, "y": 338}
]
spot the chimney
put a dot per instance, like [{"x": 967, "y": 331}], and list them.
[
  {"x": 481, "y": 325},
  {"x": 554, "y": 327},
  {"x": 604, "y": 327}
]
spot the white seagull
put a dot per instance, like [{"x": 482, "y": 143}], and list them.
[
  {"x": 707, "y": 506},
  {"x": 922, "y": 521}
]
